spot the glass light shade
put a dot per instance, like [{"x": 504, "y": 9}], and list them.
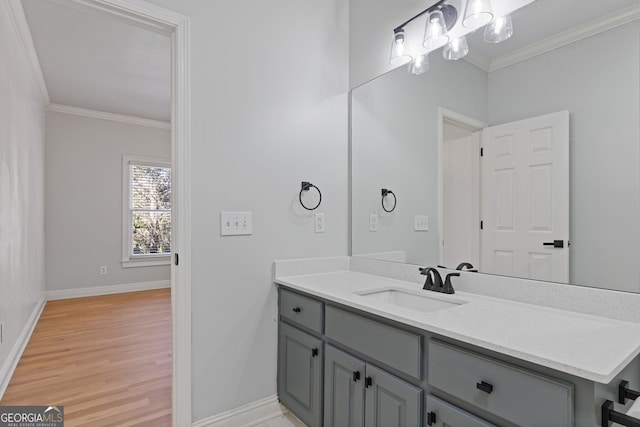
[
  {"x": 456, "y": 49},
  {"x": 399, "y": 52},
  {"x": 435, "y": 33},
  {"x": 498, "y": 30},
  {"x": 419, "y": 65},
  {"x": 477, "y": 14}
]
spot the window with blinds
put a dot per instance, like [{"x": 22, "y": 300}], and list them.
[{"x": 149, "y": 210}]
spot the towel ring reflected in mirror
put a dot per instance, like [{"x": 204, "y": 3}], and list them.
[
  {"x": 306, "y": 186},
  {"x": 385, "y": 193}
]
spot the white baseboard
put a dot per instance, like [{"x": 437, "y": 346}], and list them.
[
  {"x": 107, "y": 290},
  {"x": 9, "y": 366},
  {"x": 246, "y": 415}
]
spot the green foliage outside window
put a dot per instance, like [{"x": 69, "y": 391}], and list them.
[{"x": 150, "y": 210}]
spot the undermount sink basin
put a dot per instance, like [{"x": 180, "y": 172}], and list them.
[{"x": 411, "y": 300}]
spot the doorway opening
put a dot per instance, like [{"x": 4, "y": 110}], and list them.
[{"x": 459, "y": 188}]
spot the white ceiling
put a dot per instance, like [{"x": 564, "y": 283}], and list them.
[
  {"x": 94, "y": 60},
  {"x": 543, "y": 19}
]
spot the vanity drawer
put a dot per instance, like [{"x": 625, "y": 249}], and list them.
[
  {"x": 391, "y": 346},
  {"x": 302, "y": 310},
  {"x": 519, "y": 396},
  {"x": 443, "y": 414}
]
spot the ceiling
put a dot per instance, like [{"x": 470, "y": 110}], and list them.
[
  {"x": 94, "y": 60},
  {"x": 544, "y": 19}
]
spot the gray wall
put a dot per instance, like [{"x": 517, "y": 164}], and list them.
[
  {"x": 84, "y": 199},
  {"x": 596, "y": 79},
  {"x": 268, "y": 110},
  {"x": 22, "y": 123},
  {"x": 395, "y": 146}
]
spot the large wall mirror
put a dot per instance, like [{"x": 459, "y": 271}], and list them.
[{"x": 419, "y": 138}]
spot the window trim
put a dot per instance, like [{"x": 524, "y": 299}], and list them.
[{"x": 128, "y": 260}]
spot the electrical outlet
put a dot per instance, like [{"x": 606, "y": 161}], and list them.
[
  {"x": 103, "y": 270},
  {"x": 2, "y": 332},
  {"x": 318, "y": 220},
  {"x": 236, "y": 223},
  {"x": 373, "y": 222},
  {"x": 421, "y": 223}
]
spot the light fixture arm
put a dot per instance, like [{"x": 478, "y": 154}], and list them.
[{"x": 427, "y": 10}]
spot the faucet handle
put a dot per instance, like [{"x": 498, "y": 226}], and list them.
[
  {"x": 434, "y": 280},
  {"x": 447, "y": 288},
  {"x": 468, "y": 267}
]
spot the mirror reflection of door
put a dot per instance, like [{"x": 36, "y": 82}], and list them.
[
  {"x": 525, "y": 198},
  {"x": 519, "y": 191}
]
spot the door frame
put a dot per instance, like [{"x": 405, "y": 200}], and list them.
[
  {"x": 177, "y": 26},
  {"x": 446, "y": 115}
]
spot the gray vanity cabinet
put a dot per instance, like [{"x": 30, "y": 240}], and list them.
[
  {"x": 358, "y": 394},
  {"x": 389, "y": 401},
  {"x": 443, "y": 414},
  {"x": 343, "y": 389},
  {"x": 300, "y": 373}
]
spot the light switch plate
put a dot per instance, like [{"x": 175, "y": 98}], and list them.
[
  {"x": 236, "y": 223},
  {"x": 373, "y": 222},
  {"x": 421, "y": 223},
  {"x": 318, "y": 219}
]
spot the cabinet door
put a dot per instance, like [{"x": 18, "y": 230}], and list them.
[
  {"x": 390, "y": 401},
  {"x": 443, "y": 414},
  {"x": 300, "y": 374},
  {"x": 343, "y": 389}
]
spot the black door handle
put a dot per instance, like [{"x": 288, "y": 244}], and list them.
[
  {"x": 297, "y": 309},
  {"x": 314, "y": 352},
  {"x": 555, "y": 244},
  {"x": 356, "y": 376},
  {"x": 368, "y": 382},
  {"x": 484, "y": 386}
]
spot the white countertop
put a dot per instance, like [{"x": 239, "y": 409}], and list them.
[{"x": 586, "y": 346}]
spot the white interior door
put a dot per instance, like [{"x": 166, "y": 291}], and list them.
[
  {"x": 525, "y": 198},
  {"x": 461, "y": 201}
]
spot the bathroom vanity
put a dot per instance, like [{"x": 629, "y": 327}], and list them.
[{"x": 358, "y": 349}]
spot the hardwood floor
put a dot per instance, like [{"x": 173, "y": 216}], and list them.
[{"x": 106, "y": 359}]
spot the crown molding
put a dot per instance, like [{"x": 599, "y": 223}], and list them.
[
  {"x": 94, "y": 114},
  {"x": 21, "y": 27},
  {"x": 478, "y": 60},
  {"x": 608, "y": 22},
  {"x": 138, "y": 12}
]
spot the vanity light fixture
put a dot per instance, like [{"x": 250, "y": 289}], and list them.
[
  {"x": 435, "y": 32},
  {"x": 498, "y": 30},
  {"x": 456, "y": 49},
  {"x": 441, "y": 18},
  {"x": 399, "y": 53},
  {"x": 419, "y": 65},
  {"x": 477, "y": 14}
]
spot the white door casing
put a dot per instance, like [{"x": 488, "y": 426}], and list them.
[
  {"x": 525, "y": 198},
  {"x": 461, "y": 201}
]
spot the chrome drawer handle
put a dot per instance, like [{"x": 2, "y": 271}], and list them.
[{"x": 484, "y": 386}]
